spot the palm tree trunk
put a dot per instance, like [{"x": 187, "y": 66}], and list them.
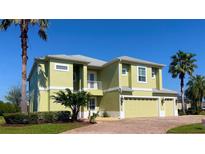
[
  {"x": 24, "y": 37},
  {"x": 182, "y": 95}
]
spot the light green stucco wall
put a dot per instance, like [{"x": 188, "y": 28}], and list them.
[
  {"x": 109, "y": 76},
  {"x": 60, "y": 78},
  {"x": 33, "y": 89},
  {"x": 131, "y": 80},
  {"x": 151, "y": 82},
  {"x": 110, "y": 101},
  {"x": 124, "y": 79}
]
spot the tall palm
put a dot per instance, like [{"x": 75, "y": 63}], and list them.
[
  {"x": 182, "y": 63},
  {"x": 196, "y": 89},
  {"x": 24, "y": 27}
]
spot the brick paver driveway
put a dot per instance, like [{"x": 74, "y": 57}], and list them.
[{"x": 136, "y": 125}]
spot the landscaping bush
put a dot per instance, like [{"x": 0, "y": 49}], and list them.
[
  {"x": 93, "y": 117},
  {"x": 202, "y": 112},
  {"x": 35, "y": 118},
  {"x": 181, "y": 113},
  {"x": 16, "y": 118},
  {"x": 8, "y": 108},
  {"x": 105, "y": 114},
  {"x": 63, "y": 116}
]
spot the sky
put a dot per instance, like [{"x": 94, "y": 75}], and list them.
[{"x": 153, "y": 40}]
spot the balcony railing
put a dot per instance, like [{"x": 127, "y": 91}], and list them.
[{"x": 94, "y": 84}]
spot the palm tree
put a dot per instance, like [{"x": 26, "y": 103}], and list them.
[
  {"x": 182, "y": 63},
  {"x": 73, "y": 100},
  {"x": 24, "y": 27},
  {"x": 196, "y": 89}
]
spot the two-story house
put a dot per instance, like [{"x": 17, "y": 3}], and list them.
[{"x": 123, "y": 87}]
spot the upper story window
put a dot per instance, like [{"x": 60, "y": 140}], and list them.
[
  {"x": 61, "y": 67},
  {"x": 154, "y": 72},
  {"x": 142, "y": 74},
  {"x": 124, "y": 70}
]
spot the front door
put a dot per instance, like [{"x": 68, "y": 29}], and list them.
[{"x": 92, "y": 105}]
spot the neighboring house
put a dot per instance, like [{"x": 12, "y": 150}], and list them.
[
  {"x": 186, "y": 100},
  {"x": 123, "y": 87}
]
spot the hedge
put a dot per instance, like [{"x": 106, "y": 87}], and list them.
[
  {"x": 36, "y": 118},
  {"x": 8, "y": 108}
]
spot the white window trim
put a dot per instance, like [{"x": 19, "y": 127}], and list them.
[
  {"x": 95, "y": 104},
  {"x": 154, "y": 77},
  {"x": 61, "y": 69},
  {"x": 138, "y": 74},
  {"x": 95, "y": 75},
  {"x": 126, "y": 71}
]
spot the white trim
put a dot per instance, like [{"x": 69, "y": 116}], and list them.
[
  {"x": 169, "y": 97},
  {"x": 54, "y": 88},
  {"x": 59, "y": 88},
  {"x": 95, "y": 98},
  {"x": 83, "y": 114},
  {"x": 122, "y": 115},
  {"x": 111, "y": 89},
  {"x": 85, "y": 89},
  {"x": 138, "y": 74},
  {"x": 61, "y": 65},
  {"x": 131, "y": 96},
  {"x": 134, "y": 89},
  {"x": 125, "y": 73},
  {"x": 142, "y": 89},
  {"x": 162, "y": 113},
  {"x": 42, "y": 89},
  {"x": 93, "y": 72},
  {"x": 153, "y": 77}
]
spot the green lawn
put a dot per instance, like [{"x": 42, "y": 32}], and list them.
[
  {"x": 39, "y": 128},
  {"x": 188, "y": 129}
]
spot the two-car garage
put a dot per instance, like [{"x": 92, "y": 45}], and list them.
[{"x": 148, "y": 107}]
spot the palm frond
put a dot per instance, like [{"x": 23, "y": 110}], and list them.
[
  {"x": 42, "y": 34},
  {"x": 5, "y": 23}
]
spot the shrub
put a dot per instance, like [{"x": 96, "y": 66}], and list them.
[
  {"x": 16, "y": 118},
  {"x": 47, "y": 117},
  {"x": 93, "y": 118},
  {"x": 180, "y": 112},
  {"x": 202, "y": 113},
  {"x": 105, "y": 114},
  {"x": 7, "y": 108},
  {"x": 63, "y": 116},
  {"x": 35, "y": 118}
]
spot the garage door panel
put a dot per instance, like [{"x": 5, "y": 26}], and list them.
[
  {"x": 169, "y": 107},
  {"x": 141, "y": 108}
]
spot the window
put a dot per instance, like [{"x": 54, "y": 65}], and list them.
[
  {"x": 91, "y": 104},
  {"x": 142, "y": 74},
  {"x": 124, "y": 70},
  {"x": 154, "y": 72},
  {"x": 61, "y": 67}
]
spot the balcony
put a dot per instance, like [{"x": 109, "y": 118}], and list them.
[{"x": 95, "y": 85}]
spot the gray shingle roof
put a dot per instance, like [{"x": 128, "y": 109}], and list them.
[
  {"x": 79, "y": 58},
  {"x": 136, "y": 60},
  {"x": 100, "y": 63}
]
